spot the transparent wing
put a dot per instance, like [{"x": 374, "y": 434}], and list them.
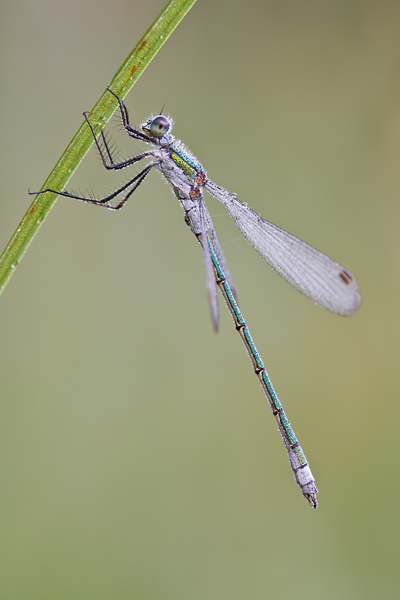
[
  {"x": 218, "y": 250},
  {"x": 314, "y": 274},
  {"x": 211, "y": 284}
]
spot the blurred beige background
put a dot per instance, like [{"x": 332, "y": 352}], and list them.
[{"x": 139, "y": 458}]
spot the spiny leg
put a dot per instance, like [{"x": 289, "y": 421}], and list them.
[
  {"x": 136, "y": 181},
  {"x": 125, "y": 120},
  {"x": 114, "y": 166},
  {"x": 106, "y": 146}
]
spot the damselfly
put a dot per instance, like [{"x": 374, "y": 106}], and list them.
[{"x": 314, "y": 274}]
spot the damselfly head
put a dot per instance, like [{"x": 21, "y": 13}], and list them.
[{"x": 157, "y": 126}]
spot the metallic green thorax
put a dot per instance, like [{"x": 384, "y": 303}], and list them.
[{"x": 185, "y": 161}]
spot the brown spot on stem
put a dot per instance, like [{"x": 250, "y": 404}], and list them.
[
  {"x": 133, "y": 68},
  {"x": 142, "y": 45}
]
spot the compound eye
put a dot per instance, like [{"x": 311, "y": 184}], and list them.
[{"x": 159, "y": 126}]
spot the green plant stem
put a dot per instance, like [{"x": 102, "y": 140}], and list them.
[{"x": 123, "y": 81}]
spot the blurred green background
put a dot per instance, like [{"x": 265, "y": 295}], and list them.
[{"x": 139, "y": 458}]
